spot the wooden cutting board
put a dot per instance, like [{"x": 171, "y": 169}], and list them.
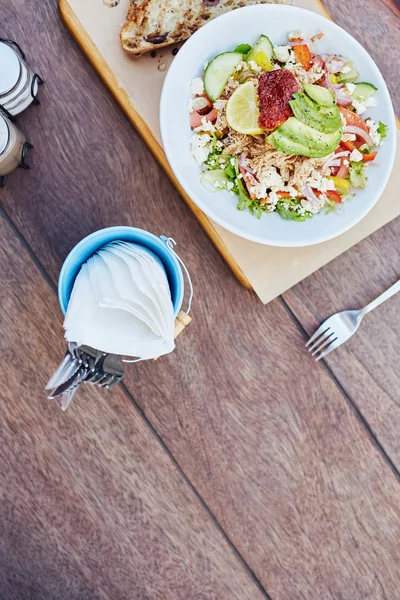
[{"x": 136, "y": 85}]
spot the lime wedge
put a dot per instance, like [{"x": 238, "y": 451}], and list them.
[{"x": 242, "y": 110}]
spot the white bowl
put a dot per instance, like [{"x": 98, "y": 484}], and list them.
[{"x": 244, "y": 25}]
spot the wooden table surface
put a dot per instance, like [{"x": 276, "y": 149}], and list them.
[{"x": 235, "y": 468}]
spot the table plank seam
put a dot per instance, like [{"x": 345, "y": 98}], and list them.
[
  {"x": 28, "y": 249},
  {"x": 352, "y": 404},
  {"x": 203, "y": 503},
  {"x": 148, "y": 423}
]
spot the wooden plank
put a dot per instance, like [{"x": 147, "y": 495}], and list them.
[
  {"x": 367, "y": 366},
  {"x": 91, "y": 505},
  {"x": 262, "y": 432}
]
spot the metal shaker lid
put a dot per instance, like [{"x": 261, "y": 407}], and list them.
[
  {"x": 10, "y": 68},
  {"x": 4, "y": 133}
]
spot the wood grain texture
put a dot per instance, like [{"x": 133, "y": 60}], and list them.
[
  {"x": 266, "y": 437},
  {"x": 367, "y": 366},
  {"x": 91, "y": 506}
]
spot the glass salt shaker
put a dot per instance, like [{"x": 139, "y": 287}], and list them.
[
  {"x": 13, "y": 147},
  {"x": 18, "y": 84}
]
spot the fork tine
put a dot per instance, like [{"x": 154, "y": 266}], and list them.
[
  {"x": 321, "y": 330},
  {"x": 320, "y": 339},
  {"x": 331, "y": 347},
  {"x": 324, "y": 346},
  {"x": 325, "y": 342}
]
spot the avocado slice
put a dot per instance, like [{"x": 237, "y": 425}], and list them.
[
  {"x": 288, "y": 146},
  {"x": 295, "y": 137},
  {"x": 321, "y": 95},
  {"x": 322, "y": 118}
]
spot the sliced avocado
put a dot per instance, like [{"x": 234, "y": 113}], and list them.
[
  {"x": 321, "y": 95},
  {"x": 306, "y": 140},
  {"x": 322, "y": 118},
  {"x": 349, "y": 77},
  {"x": 288, "y": 146}
]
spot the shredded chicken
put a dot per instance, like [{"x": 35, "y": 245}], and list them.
[{"x": 303, "y": 76}]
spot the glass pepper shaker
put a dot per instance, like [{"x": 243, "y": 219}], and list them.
[
  {"x": 13, "y": 147},
  {"x": 18, "y": 84}
]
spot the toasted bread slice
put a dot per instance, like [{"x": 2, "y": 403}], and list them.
[{"x": 153, "y": 24}]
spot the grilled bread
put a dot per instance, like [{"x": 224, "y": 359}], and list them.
[{"x": 152, "y": 24}]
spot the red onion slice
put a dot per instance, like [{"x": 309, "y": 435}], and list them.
[
  {"x": 343, "y": 98},
  {"x": 318, "y": 61},
  {"x": 309, "y": 194},
  {"x": 334, "y": 64},
  {"x": 326, "y": 82},
  {"x": 244, "y": 166},
  {"x": 360, "y": 132}
]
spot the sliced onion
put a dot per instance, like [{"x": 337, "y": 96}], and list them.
[
  {"x": 341, "y": 153},
  {"x": 300, "y": 43},
  {"x": 333, "y": 161},
  {"x": 344, "y": 169},
  {"x": 334, "y": 64},
  {"x": 309, "y": 194},
  {"x": 360, "y": 132},
  {"x": 244, "y": 166},
  {"x": 318, "y": 61},
  {"x": 200, "y": 104},
  {"x": 343, "y": 98},
  {"x": 326, "y": 82}
]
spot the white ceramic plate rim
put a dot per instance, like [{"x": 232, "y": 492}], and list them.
[{"x": 316, "y": 23}]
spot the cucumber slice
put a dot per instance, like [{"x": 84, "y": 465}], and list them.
[
  {"x": 363, "y": 91},
  {"x": 218, "y": 72},
  {"x": 263, "y": 44},
  {"x": 217, "y": 179},
  {"x": 321, "y": 95},
  {"x": 349, "y": 77}
]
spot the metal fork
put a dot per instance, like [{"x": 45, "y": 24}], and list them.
[{"x": 336, "y": 330}]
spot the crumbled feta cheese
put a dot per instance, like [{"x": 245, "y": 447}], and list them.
[
  {"x": 230, "y": 185},
  {"x": 346, "y": 162},
  {"x": 373, "y": 132},
  {"x": 312, "y": 207},
  {"x": 200, "y": 147},
  {"x": 233, "y": 162},
  {"x": 350, "y": 87},
  {"x": 254, "y": 66},
  {"x": 273, "y": 198},
  {"x": 295, "y": 35},
  {"x": 292, "y": 58},
  {"x": 361, "y": 107},
  {"x": 348, "y": 137},
  {"x": 240, "y": 176},
  {"x": 190, "y": 105},
  {"x": 219, "y": 144},
  {"x": 205, "y": 126},
  {"x": 220, "y": 104},
  {"x": 346, "y": 69},
  {"x": 242, "y": 66},
  {"x": 356, "y": 156},
  {"x": 282, "y": 53},
  {"x": 197, "y": 87},
  {"x": 271, "y": 178},
  {"x": 344, "y": 122},
  {"x": 318, "y": 182}
]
